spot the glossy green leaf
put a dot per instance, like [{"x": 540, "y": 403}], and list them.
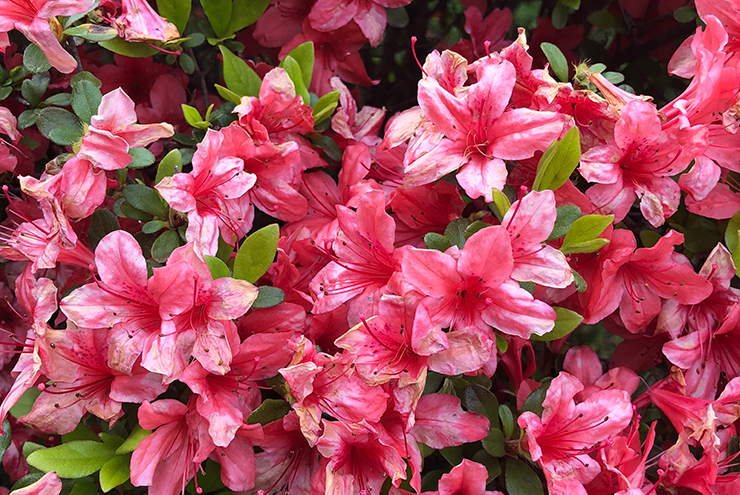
[
  {"x": 218, "y": 13},
  {"x": 153, "y": 227},
  {"x": 34, "y": 60},
  {"x": 268, "y": 297},
  {"x": 25, "y": 403},
  {"x": 583, "y": 235},
  {"x": 81, "y": 432},
  {"x": 125, "y": 210},
  {"x": 296, "y": 75},
  {"x": 533, "y": 402},
  {"x": 325, "y": 106},
  {"x": 28, "y": 118},
  {"x": 303, "y": 55},
  {"x": 520, "y": 479},
  {"x": 501, "y": 344},
  {"x": 239, "y": 77},
  {"x": 580, "y": 282},
  {"x": 558, "y": 162},
  {"x": 557, "y": 61},
  {"x": 270, "y": 410},
  {"x": 140, "y": 158},
  {"x": 566, "y": 215},
  {"x": 567, "y": 322},
  {"x": 227, "y": 94},
  {"x": 102, "y": 223},
  {"x": 92, "y": 32},
  {"x": 245, "y": 13},
  {"x": 494, "y": 442},
  {"x": 128, "y": 48},
  {"x": 732, "y": 231},
  {"x": 475, "y": 227},
  {"x": 455, "y": 231},
  {"x": 256, "y": 253},
  {"x": 133, "y": 440},
  {"x": 175, "y": 11},
  {"x": 507, "y": 420},
  {"x": 85, "y": 76},
  {"x": 146, "y": 199},
  {"x": 5, "y": 438},
  {"x": 59, "y": 100},
  {"x": 33, "y": 89},
  {"x": 169, "y": 166},
  {"x": 217, "y": 267},
  {"x": 501, "y": 201},
  {"x": 53, "y": 118},
  {"x": 433, "y": 240},
  {"x": 192, "y": 116},
  {"x": 164, "y": 245},
  {"x": 75, "y": 459},
  {"x": 481, "y": 400},
  {"x": 115, "y": 472}
]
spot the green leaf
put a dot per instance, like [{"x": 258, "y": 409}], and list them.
[
  {"x": 153, "y": 227},
  {"x": 455, "y": 231},
  {"x": 731, "y": 233},
  {"x": 268, "y": 297},
  {"x": 59, "y": 119},
  {"x": 83, "y": 486},
  {"x": 5, "y": 92},
  {"x": 27, "y": 118},
  {"x": 559, "y": 16},
  {"x": 558, "y": 162},
  {"x": 25, "y": 403},
  {"x": 294, "y": 72},
  {"x": 59, "y": 99},
  {"x": 86, "y": 100},
  {"x": 85, "y": 76},
  {"x": 501, "y": 344},
  {"x": 102, "y": 223},
  {"x": 481, "y": 400},
  {"x": 31, "y": 447},
  {"x": 186, "y": 63},
  {"x": 128, "y": 211},
  {"x": 453, "y": 455},
  {"x": 239, "y": 77},
  {"x": 330, "y": 147},
  {"x": 475, "y": 227},
  {"x": 128, "y": 48},
  {"x": 115, "y": 472},
  {"x": 169, "y": 166},
  {"x": 494, "y": 442},
  {"x": 64, "y": 137},
  {"x": 573, "y": 4},
  {"x": 92, "y": 32},
  {"x": 27, "y": 480},
  {"x": 133, "y": 440},
  {"x": 303, "y": 55},
  {"x": 140, "y": 158},
  {"x": 256, "y": 253},
  {"x": 175, "y": 11},
  {"x": 567, "y": 214},
  {"x": 146, "y": 199},
  {"x": 193, "y": 117},
  {"x": 270, "y": 410},
  {"x": 325, "y": 106},
  {"x": 112, "y": 441},
  {"x": 520, "y": 479},
  {"x": 433, "y": 240},
  {"x": 72, "y": 460},
  {"x": 557, "y": 60},
  {"x": 685, "y": 14},
  {"x": 245, "y": 13},
  {"x": 581, "y": 284},
  {"x": 566, "y": 322},
  {"x": 5, "y": 438},
  {"x": 81, "y": 432},
  {"x": 218, "y": 13},
  {"x": 583, "y": 235},
  {"x": 397, "y": 17},
  {"x": 507, "y": 420},
  {"x": 218, "y": 268},
  {"x": 227, "y": 94},
  {"x": 164, "y": 245},
  {"x": 533, "y": 402},
  {"x": 501, "y": 201},
  {"x": 33, "y": 89},
  {"x": 34, "y": 60}
]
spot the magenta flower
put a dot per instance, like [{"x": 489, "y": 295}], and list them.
[{"x": 139, "y": 22}]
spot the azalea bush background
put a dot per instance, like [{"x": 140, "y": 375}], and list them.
[{"x": 359, "y": 247}]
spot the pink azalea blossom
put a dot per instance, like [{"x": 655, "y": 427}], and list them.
[
  {"x": 48, "y": 484},
  {"x": 35, "y": 20},
  {"x": 114, "y": 130},
  {"x": 139, "y": 22},
  {"x": 562, "y": 439},
  {"x": 330, "y": 15}
]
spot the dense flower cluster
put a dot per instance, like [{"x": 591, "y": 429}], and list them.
[{"x": 264, "y": 286}]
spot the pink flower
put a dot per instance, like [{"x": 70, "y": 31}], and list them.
[
  {"x": 139, "y": 22},
  {"x": 48, "y": 484},
  {"x": 480, "y": 131},
  {"x": 562, "y": 439},
  {"x": 114, "y": 130},
  {"x": 213, "y": 194},
  {"x": 464, "y": 288},
  {"x": 35, "y": 19},
  {"x": 330, "y": 15}
]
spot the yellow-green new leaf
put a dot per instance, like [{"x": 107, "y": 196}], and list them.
[
  {"x": 239, "y": 77},
  {"x": 256, "y": 253},
  {"x": 566, "y": 322},
  {"x": 583, "y": 235}
]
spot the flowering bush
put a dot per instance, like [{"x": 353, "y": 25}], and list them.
[{"x": 259, "y": 246}]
